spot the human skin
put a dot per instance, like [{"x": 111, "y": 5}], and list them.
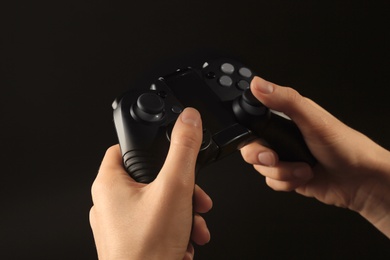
[
  {"x": 132, "y": 220},
  {"x": 352, "y": 171}
]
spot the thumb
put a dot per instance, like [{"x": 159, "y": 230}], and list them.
[
  {"x": 179, "y": 167},
  {"x": 311, "y": 119}
]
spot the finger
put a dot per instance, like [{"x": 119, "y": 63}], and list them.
[
  {"x": 200, "y": 233},
  {"x": 186, "y": 138},
  {"x": 286, "y": 176},
  {"x": 287, "y": 171},
  {"x": 284, "y": 185},
  {"x": 256, "y": 153},
  {"x": 310, "y": 117},
  {"x": 189, "y": 255},
  {"x": 112, "y": 160},
  {"x": 283, "y": 99},
  {"x": 202, "y": 201}
]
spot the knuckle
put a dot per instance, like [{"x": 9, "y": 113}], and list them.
[
  {"x": 96, "y": 188},
  {"x": 292, "y": 96},
  {"x": 92, "y": 216},
  {"x": 99, "y": 188},
  {"x": 246, "y": 155},
  {"x": 112, "y": 149},
  {"x": 250, "y": 151}
]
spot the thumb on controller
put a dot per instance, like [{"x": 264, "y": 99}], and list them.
[{"x": 178, "y": 171}]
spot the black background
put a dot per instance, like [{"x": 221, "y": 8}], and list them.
[{"x": 64, "y": 62}]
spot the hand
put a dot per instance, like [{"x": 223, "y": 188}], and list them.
[
  {"x": 131, "y": 220},
  {"x": 352, "y": 171}
]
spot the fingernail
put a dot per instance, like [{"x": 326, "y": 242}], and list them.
[
  {"x": 266, "y": 159},
  {"x": 190, "y": 117},
  {"x": 263, "y": 86},
  {"x": 302, "y": 172}
]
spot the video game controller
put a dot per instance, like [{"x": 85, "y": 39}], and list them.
[{"x": 231, "y": 117}]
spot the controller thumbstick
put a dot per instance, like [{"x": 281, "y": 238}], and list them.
[
  {"x": 251, "y": 105},
  {"x": 149, "y": 107},
  {"x": 248, "y": 110}
]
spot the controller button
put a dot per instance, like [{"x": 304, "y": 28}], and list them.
[
  {"x": 227, "y": 68},
  {"x": 243, "y": 84},
  {"x": 225, "y": 81},
  {"x": 176, "y": 109},
  {"x": 149, "y": 107},
  {"x": 245, "y": 72}
]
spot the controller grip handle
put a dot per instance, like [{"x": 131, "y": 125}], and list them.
[
  {"x": 141, "y": 165},
  {"x": 285, "y": 138}
]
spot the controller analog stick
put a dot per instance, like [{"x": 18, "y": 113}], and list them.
[
  {"x": 149, "y": 107},
  {"x": 251, "y": 105}
]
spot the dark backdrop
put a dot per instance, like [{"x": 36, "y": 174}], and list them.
[{"x": 64, "y": 62}]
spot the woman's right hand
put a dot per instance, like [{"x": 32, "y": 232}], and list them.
[{"x": 352, "y": 171}]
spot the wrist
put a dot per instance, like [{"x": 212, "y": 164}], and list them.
[{"x": 375, "y": 191}]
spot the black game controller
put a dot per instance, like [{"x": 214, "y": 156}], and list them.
[{"x": 231, "y": 116}]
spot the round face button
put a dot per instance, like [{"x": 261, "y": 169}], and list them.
[
  {"x": 243, "y": 84},
  {"x": 227, "y": 68},
  {"x": 176, "y": 109},
  {"x": 245, "y": 72},
  {"x": 225, "y": 81}
]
